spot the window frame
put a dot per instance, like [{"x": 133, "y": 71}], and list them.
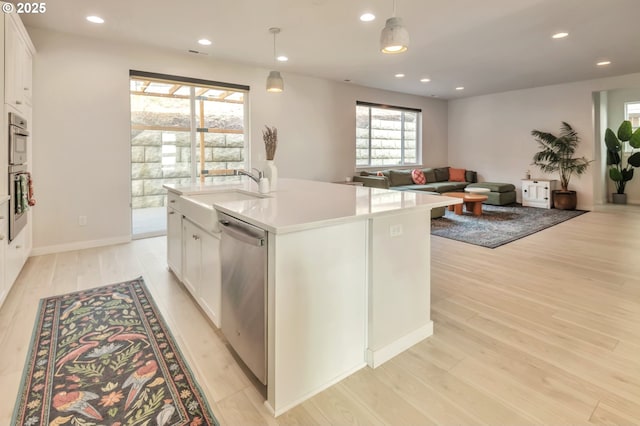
[
  {"x": 628, "y": 149},
  {"x": 418, "y": 149}
]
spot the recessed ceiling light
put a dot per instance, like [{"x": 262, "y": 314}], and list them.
[
  {"x": 367, "y": 17},
  {"x": 560, "y": 35},
  {"x": 603, "y": 63},
  {"x": 460, "y": 88},
  {"x": 282, "y": 58},
  {"x": 400, "y": 75},
  {"x": 95, "y": 19},
  {"x": 204, "y": 42},
  {"x": 425, "y": 80}
]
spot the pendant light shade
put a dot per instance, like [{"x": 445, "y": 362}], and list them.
[
  {"x": 275, "y": 84},
  {"x": 394, "y": 37}
]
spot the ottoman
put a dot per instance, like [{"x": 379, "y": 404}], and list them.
[{"x": 501, "y": 193}]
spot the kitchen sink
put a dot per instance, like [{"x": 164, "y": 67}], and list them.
[
  {"x": 218, "y": 197},
  {"x": 199, "y": 207}
]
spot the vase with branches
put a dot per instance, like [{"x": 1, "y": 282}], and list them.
[
  {"x": 557, "y": 155},
  {"x": 270, "y": 137}
]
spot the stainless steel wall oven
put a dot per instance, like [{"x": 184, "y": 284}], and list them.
[{"x": 18, "y": 175}]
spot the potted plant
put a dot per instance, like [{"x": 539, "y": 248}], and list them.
[
  {"x": 557, "y": 155},
  {"x": 615, "y": 153}
]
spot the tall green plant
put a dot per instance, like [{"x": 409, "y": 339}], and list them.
[
  {"x": 615, "y": 152},
  {"x": 557, "y": 154}
]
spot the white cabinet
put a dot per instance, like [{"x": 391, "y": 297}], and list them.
[
  {"x": 538, "y": 192},
  {"x": 201, "y": 268},
  {"x": 210, "y": 278},
  {"x": 18, "y": 64},
  {"x": 5, "y": 285},
  {"x": 174, "y": 241},
  {"x": 191, "y": 257},
  {"x": 16, "y": 255}
]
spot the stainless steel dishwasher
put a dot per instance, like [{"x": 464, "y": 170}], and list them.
[{"x": 243, "y": 255}]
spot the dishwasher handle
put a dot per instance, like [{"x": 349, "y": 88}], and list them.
[{"x": 233, "y": 232}]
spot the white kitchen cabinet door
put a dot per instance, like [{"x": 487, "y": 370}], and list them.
[
  {"x": 18, "y": 63},
  {"x": 174, "y": 241},
  {"x": 5, "y": 285},
  {"x": 27, "y": 77},
  {"x": 210, "y": 279},
  {"x": 191, "y": 256},
  {"x": 201, "y": 268},
  {"x": 16, "y": 256}
]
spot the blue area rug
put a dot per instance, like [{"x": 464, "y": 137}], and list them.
[{"x": 498, "y": 225}]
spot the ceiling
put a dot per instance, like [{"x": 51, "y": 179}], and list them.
[{"x": 486, "y": 46}]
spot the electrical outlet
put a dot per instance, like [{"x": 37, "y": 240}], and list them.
[
  {"x": 82, "y": 220},
  {"x": 395, "y": 230}
]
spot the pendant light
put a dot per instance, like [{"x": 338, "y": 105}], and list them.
[
  {"x": 394, "y": 37},
  {"x": 275, "y": 84}
]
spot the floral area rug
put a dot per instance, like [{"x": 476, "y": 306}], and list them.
[
  {"x": 498, "y": 225},
  {"x": 105, "y": 356}
]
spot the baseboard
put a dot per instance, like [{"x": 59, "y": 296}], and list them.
[
  {"x": 79, "y": 245},
  {"x": 376, "y": 358}
]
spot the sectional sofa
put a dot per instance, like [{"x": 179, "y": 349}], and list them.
[{"x": 438, "y": 180}]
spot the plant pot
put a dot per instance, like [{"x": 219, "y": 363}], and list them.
[
  {"x": 619, "y": 198},
  {"x": 565, "y": 200}
]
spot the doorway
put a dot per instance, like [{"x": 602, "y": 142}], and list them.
[{"x": 180, "y": 126}]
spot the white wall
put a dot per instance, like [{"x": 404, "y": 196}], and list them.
[
  {"x": 81, "y": 112},
  {"x": 492, "y": 133}
]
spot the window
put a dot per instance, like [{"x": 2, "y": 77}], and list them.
[
  {"x": 386, "y": 135},
  {"x": 632, "y": 113},
  {"x": 180, "y": 126}
]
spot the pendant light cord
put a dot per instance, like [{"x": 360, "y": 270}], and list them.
[
  {"x": 274, "y": 48},
  {"x": 394, "y": 8}
]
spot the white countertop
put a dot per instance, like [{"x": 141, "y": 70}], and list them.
[{"x": 303, "y": 204}]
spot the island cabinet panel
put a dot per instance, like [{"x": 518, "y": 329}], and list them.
[
  {"x": 399, "y": 286},
  {"x": 317, "y": 294},
  {"x": 174, "y": 241}
]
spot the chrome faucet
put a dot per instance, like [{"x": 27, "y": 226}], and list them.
[{"x": 256, "y": 178}]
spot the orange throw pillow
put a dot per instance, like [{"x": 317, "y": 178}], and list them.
[{"x": 456, "y": 175}]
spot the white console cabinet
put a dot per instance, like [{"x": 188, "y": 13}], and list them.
[{"x": 538, "y": 192}]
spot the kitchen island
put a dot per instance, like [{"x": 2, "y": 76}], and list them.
[{"x": 347, "y": 277}]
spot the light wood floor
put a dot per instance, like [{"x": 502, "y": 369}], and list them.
[{"x": 545, "y": 330}]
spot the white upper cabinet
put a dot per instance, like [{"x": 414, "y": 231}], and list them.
[{"x": 18, "y": 64}]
